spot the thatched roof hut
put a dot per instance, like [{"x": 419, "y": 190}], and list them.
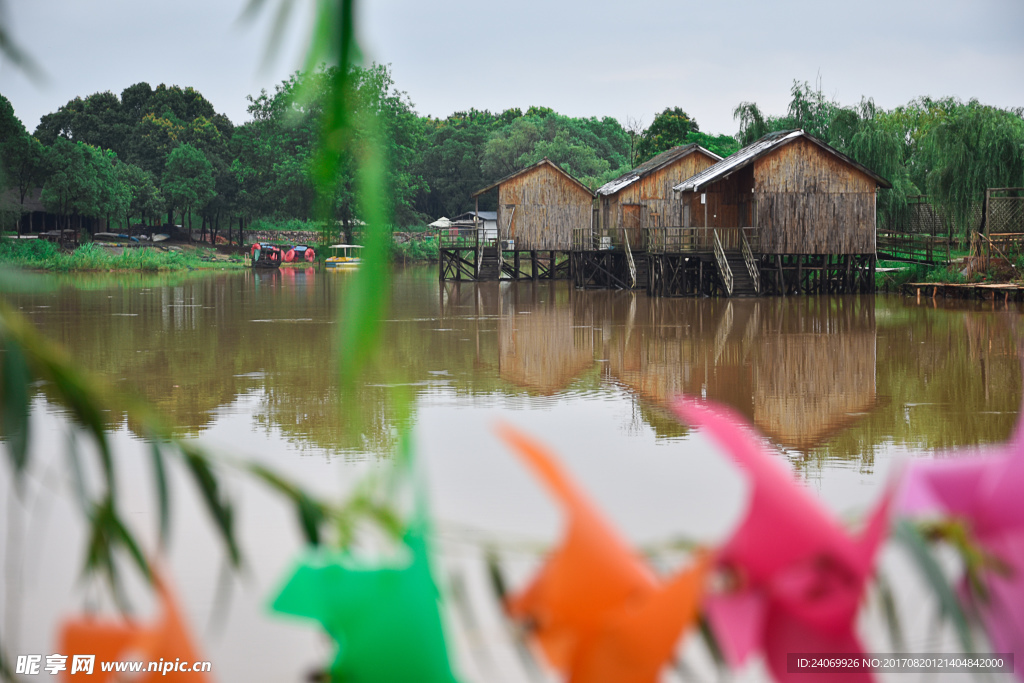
[
  {"x": 540, "y": 206},
  {"x": 643, "y": 197},
  {"x": 803, "y": 196}
]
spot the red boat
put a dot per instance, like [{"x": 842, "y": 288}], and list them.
[{"x": 299, "y": 253}]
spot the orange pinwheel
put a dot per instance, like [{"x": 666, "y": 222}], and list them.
[
  {"x": 165, "y": 639},
  {"x": 597, "y": 610}
]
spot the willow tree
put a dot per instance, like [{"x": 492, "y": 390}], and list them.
[{"x": 972, "y": 148}]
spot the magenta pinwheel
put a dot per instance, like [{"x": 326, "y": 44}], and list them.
[
  {"x": 985, "y": 493},
  {"x": 797, "y": 576}
]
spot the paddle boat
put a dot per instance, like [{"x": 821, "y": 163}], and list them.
[
  {"x": 343, "y": 255},
  {"x": 299, "y": 254},
  {"x": 265, "y": 256}
]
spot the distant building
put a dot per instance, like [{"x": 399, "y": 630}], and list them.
[{"x": 488, "y": 221}]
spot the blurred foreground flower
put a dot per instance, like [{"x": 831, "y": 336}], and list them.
[
  {"x": 166, "y": 639},
  {"x": 597, "y": 610},
  {"x": 798, "y": 575},
  {"x": 986, "y": 493}
]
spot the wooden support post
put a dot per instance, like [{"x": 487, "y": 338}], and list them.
[
  {"x": 533, "y": 264},
  {"x": 551, "y": 266},
  {"x": 780, "y": 280},
  {"x": 515, "y": 265},
  {"x": 799, "y": 273}
]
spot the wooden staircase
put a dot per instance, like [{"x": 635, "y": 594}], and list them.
[
  {"x": 742, "y": 283},
  {"x": 490, "y": 268}
]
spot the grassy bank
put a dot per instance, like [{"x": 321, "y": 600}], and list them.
[
  {"x": 910, "y": 272},
  {"x": 43, "y": 255}
]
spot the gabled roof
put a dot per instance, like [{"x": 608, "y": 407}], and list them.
[
  {"x": 653, "y": 164},
  {"x": 484, "y": 216},
  {"x": 540, "y": 163},
  {"x": 769, "y": 143}
]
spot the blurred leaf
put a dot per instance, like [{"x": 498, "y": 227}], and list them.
[
  {"x": 311, "y": 513},
  {"x": 907, "y": 534},
  {"x": 494, "y": 573},
  {"x": 162, "y": 494},
  {"x": 892, "y": 618},
  {"x": 15, "y": 405},
  {"x": 209, "y": 488},
  {"x": 6, "y": 673},
  {"x": 121, "y": 535},
  {"x": 14, "y": 52},
  {"x": 80, "y": 395},
  {"x": 106, "y": 532},
  {"x": 708, "y": 636},
  {"x": 77, "y": 476}
]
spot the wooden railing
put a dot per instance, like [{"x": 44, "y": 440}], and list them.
[
  {"x": 909, "y": 246},
  {"x": 748, "y": 258},
  {"x": 629, "y": 260},
  {"x": 457, "y": 237},
  {"x": 723, "y": 264},
  {"x": 679, "y": 240}
]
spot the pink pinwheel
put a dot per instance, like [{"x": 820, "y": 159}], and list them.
[
  {"x": 799, "y": 574},
  {"x": 987, "y": 493}
]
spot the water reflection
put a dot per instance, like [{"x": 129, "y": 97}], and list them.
[{"x": 826, "y": 377}]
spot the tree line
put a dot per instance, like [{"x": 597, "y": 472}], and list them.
[{"x": 164, "y": 153}]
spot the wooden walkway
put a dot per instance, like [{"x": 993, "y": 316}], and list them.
[{"x": 995, "y": 291}]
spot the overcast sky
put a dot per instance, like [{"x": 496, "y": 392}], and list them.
[{"x": 621, "y": 59}]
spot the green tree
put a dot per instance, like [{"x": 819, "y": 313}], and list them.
[
  {"x": 187, "y": 182},
  {"x": 972, "y": 148},
  {"x": 585, "y": 147},
  {"x": 722, "y": 145},
  {"x": 145, "y": 201},
  {"x": 22, "y": 158},
  {"x": 80, "y": 182},
  {"x": 275, "y": 149},
  {"x": 668, "y": 129}
]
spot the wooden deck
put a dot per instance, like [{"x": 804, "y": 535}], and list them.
[{"x": 994, "y": 291}]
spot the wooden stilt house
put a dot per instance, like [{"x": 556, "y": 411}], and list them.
[
  {"x": 611, "y": 256},
  {"x": 786, "y": 214},
  {"x": 539, "y": 209}
]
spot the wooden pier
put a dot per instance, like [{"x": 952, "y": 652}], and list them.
[{"x": 984, "y": 291}]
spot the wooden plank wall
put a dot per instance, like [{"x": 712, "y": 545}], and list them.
[
  {"x": 729, "y": 202},
  {"x": 548, "y": 207},
  {"x": 811, "y": 202},
  {"x": 660, "y": 206}
]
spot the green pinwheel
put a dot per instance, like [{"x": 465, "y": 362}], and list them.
[{"x": 385, "y": 618}]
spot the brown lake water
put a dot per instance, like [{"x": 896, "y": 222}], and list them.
[{"x": 843, "y": 387}]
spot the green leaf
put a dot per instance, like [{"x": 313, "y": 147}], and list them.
[
  {"x": 311, "y": 513},
  {"x": 162, "y": 494},
  {"x": 121, "y": 535},
  {"x": 708, "y": 636},
  {"x": 77, "y": 477},
  {"x": 14, "y": 418},
  {"x": 209, "y": 488},
  {"x": 892, "y": 618},
  {"x": 907, "y": 534}
]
